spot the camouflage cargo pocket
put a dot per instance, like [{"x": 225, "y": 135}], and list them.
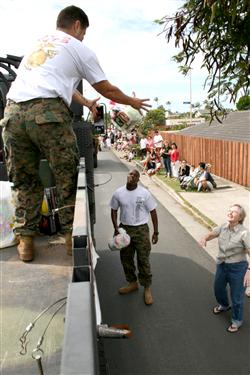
[{"x": 48, "y": 117}]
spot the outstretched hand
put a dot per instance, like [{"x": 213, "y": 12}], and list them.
[{"x": 140, "y": 104}]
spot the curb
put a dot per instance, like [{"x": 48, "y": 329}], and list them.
[{"x": 196, "y": 213}]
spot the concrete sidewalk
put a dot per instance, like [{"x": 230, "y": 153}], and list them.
[
  {"x": 197, "y": 212},
  {"x": 213, "y": 205}
]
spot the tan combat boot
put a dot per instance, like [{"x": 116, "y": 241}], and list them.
[
  {"x": 148, "y": 299},
  {"x": 131, "y": 287},
  {"x": 68, "y": 243},
  {"x": 25, "y": 248}
]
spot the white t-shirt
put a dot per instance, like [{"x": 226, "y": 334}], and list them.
[
  {"x": 158, "y": 140},
  {"x": 135, "y": 205},
  {"x": 143, "y": 143},
  {"x": 54, "y": 68}
]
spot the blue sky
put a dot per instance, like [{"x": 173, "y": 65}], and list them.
[{"x": 123, "y": 35}]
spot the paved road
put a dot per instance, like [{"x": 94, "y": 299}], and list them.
[{"x": 179, "y": 334}]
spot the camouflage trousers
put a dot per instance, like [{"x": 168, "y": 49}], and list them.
[
  {"x": 140, "y": 244},
  {"x": 40, "y": 128}
]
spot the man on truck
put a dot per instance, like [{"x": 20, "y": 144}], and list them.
[{"x": 37, "y": 120}]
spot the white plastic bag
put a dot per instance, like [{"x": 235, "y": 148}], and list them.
[
  {"x": 132, "y": 114},
  {"x": 120, "y": 240},
  {"x": 7, "y": 212}
]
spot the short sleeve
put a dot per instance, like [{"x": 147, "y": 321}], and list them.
[
  {"x": 216, "y": 230},
  {"x": 90, "y": 67},
  {"x": 150, "y": 203},
  {"x": 246, "y": 239},
  {"x": 114, "y": 203}
]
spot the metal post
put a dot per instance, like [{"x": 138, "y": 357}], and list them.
[
  {"x": 190, "y": 92},
  {"x": 105, "y": 117}
]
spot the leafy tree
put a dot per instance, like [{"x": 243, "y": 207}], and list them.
[
  {"x": 155, "y": 117},
  {"x": 143, "y": 128},
  {"x": 219, "y": 30},
  {"x": 243, "y": 103}
]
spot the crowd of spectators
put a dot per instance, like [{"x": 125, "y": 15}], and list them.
[{"x": 155, "y": 154}]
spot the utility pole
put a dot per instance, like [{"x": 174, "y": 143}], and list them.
[{"x": 190, "y": 93}]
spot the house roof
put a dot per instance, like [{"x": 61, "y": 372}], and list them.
[{"x": 235, "y": 127}]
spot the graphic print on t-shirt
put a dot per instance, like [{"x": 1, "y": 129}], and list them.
[
  {"x": 138, "y": 207},
  {"x": 44, "y": 50},
  {"x": 40, "y": 55}
]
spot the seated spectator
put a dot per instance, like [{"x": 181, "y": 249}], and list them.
[
  {"x": 153, "y": 163},
  {"x": 129, "y": 155},
  {"x": 187, "y": 180},
  {"x": 205, "y": 181},
  {"x": 191, "y": 181},
  {"x": 118, "y": 145},
  {"x": 183, "y": 170},
  {"x": 209, "y": 176},
  {"x": 198, "y": 172},
  {"x": 124, "y": 144}
]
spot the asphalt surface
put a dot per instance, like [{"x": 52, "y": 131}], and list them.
[{"x": 178, "y": 334}]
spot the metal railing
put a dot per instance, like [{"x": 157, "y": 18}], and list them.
[{"x": 80, "y": 351}]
